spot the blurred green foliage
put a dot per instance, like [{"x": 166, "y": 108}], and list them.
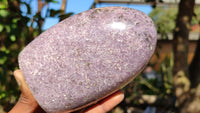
[
  {"x": 165, "y": 19},
  {"x": 17, "y": 29},
  {"x": 13, "y": 31},
  {"x": 161, "y": 89}
]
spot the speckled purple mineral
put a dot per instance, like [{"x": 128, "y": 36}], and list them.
[{"x": 87, "y": 56}]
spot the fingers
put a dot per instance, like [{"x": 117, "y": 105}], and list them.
[
  {"x": 20, "y": 80},
  {"x": 25, "y": 92},
  {"x": 107, "y": 104},
  {"x": 26, "y": 102}
]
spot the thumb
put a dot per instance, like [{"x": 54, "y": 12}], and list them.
[
  {"x": 26, "y": 95},
  {"x": 26, "y": 102}
]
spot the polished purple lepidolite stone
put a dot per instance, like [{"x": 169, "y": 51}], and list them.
[{"x": 88, "y": 56}]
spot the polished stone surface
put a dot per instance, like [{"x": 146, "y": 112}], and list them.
[{"x": 87, "y": 56}]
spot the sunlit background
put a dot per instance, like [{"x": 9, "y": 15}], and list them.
[{"x": 169, "y": 83}]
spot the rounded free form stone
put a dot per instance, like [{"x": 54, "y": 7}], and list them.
[{"x": 87, "y": 57}]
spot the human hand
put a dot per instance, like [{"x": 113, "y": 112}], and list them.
[{"x": 28, "y": 104}]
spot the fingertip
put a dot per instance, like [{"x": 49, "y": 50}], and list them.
[
  {"x": 113, "y": 101},
  {"x": 107, "y": 104},
  {"x": 18, "y": 76},
  {"x": 119, "y": 95}
]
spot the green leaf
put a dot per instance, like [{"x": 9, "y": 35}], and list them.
[
  {"x": 35, "y": 33},
  {"x": 3, "y": 4},
  {"x": 54, "y": 1},
  {"x": 3, "y": 59},
  {"x": 14, "y": 26},
  {"x": 8, "y": 29},
  {"x": 2, "y": 95},
  {"x": 1, "y": 28},
  {"x": 4, "y": 13},
  {"x": 62, "y": 17},
  {"x": 15, "y": 20},
  {"x": 3, "y": 49},
  {"x": 13, "y": 38},
  {"x": 53, "y": 12}
]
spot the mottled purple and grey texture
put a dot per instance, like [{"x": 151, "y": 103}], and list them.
[{"x": 87, "y": 56}]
